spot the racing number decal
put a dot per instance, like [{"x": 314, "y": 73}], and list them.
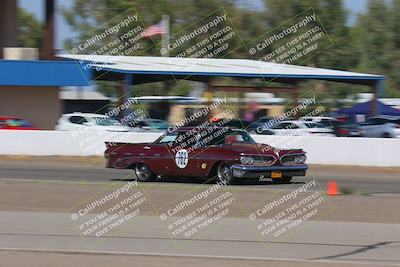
[{"x": 182, "y": 158}]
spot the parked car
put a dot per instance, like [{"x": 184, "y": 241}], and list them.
[
  {"x": 89, "y": 122},
  {"x": 327, "y": 122},
  {"x": 346, "y": 129},
  {"x": 222, "y": 152},
  {"x": 300, "y": 128},
  {"x": 381, "y": 126},
  {"x": 14, "y": 123}
]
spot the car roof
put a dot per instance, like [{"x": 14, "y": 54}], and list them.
[
  {"x": 293, "y": 121},
  {"x": 319, "y": 117},
  {"x": 149, "y": 119},
  {"x": 197, "y": 129},
  {"x": 388, "y": 117}
]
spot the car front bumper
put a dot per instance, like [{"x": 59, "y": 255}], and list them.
[{"x": 250, "y": 171}]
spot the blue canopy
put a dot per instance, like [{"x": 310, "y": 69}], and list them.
[{"x": 365, "y": 108}]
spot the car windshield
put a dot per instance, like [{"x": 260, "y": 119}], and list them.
[
  {"x": 220, "y": 136},
  {"x": 167, "y": 138},
  {"x": 327, "y": 123},
  {"x": 104, "y": 121},
  {"x": 314, "y": 125},
  {"x": 207, "y": 137},
  {"x": 158, "y": 124}
]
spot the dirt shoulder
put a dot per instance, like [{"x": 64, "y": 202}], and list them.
[{"x": 47, "y": 196}]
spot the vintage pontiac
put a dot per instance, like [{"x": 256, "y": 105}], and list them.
[{"x": 225, "y": 153}]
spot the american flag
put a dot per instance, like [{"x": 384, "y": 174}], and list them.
[{"x": 154, "y": 30}]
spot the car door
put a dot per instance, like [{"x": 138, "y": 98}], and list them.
[
  {"x": 367, "y": 128},
  {"x": 375, "y": 129},
  {"x": 180, "y": 157}
]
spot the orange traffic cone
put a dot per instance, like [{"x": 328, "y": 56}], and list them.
[{"x": 332, "y": 188}]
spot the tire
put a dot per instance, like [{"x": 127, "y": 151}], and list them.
[
  {"x": 224, "y": 173},
  {"x": 284, "y": 180},
  {"x": 143, "y": 172},
  {"x": 386, "y": 135}
]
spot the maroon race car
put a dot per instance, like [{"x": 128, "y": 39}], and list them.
[{"x": 222, "y": 152}]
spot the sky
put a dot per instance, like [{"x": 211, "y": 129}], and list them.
[{"x": 64, "y": 31}]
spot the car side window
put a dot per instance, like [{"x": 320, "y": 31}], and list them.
[
  {"x": 373, "y": 121},
  {"x": 141, "y": 124},
  {"x": 137, "y": 124},
  {"x": 279, "y": 126},
  {"x": 379, "y": 121},
  {"x": 291, "y": 126},
  {"x": 77, "y": 119}
]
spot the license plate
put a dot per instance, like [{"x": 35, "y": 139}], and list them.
[{"x": 276, "y": 174}]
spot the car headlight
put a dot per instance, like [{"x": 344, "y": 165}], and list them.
[
  {"x": 246, "y": 160},
  {"x": 300, "y": 159}
]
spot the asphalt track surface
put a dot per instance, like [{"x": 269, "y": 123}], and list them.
[
  {"x": 317, "y": 242},
  {"x": 42, "y": 234},
  {"x": 351, "y": 179}
]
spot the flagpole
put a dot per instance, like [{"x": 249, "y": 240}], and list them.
[{"x": 165, "y": 36}]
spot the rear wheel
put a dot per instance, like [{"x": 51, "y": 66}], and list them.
[
  {"x": 386, "y": 135},
  {"x": 283, "y": 180},
  {"x": 224, "y": 173},
  {"x": 143, "y": 172}
]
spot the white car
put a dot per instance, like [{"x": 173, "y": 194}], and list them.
[
  {"x": 89, "y": 122},
  {"x": 381, "y": 126},
  {"x": 300, "y": 128},
  {"x": 327, "y": 122}
]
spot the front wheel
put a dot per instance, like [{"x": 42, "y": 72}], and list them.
[
  {"x": 143, "y": 172},
  {"x": 283, "y": 180},
  {"x": 225, "y": 173}
]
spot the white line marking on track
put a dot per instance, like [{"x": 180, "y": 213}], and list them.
[{"x": 94, "y": 252}]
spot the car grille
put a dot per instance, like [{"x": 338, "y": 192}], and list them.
[{"x": 263, "y": 159}]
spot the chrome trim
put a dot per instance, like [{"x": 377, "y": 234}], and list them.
[
  {"x": 260, "y": 161},
  {"x": 142, "y": 154},
  {"x": 269, "y": 168}
]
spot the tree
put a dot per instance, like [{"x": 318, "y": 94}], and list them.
[
  {"x": 376, "y": 43},
  {"x": 30, "y": 29}
]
